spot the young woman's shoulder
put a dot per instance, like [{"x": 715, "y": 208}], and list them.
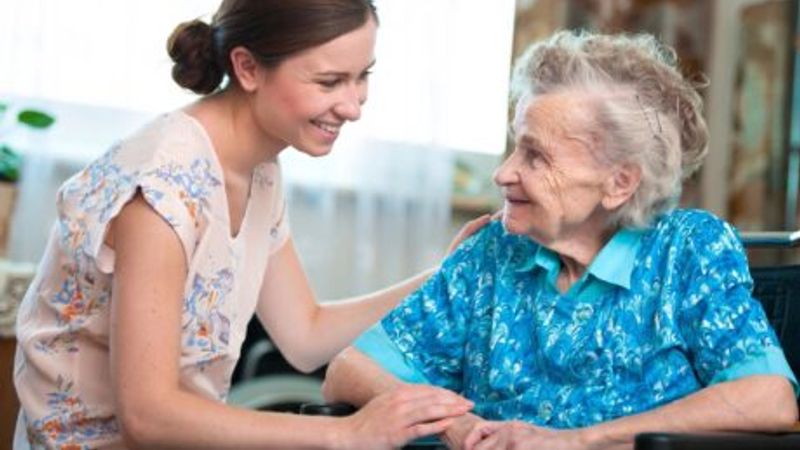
[
  {"x": 172, "y": 137},
  {"x": 167, "y": 161}
]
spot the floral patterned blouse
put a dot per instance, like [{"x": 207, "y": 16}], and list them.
[
  {"x": 659, "y": 314},
  {"x": 62, "y": 363}
]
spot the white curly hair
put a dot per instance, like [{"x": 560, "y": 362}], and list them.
[{"x": 645, "y": 112}]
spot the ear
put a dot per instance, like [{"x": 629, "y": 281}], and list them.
[
  {"x": 246, "y": 68},
  {"x": 621, "y": 185}
]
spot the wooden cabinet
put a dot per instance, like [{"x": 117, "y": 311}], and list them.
[
  {"x": 14, "y": 281},
  {"x": 9, "y": 405}
]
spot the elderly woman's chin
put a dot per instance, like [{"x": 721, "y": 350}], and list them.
[{"x": 515, "y": 224}]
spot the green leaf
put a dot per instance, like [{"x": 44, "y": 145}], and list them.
[
  {"x": 10, "y": 162},
  {"x": 35, "y": 119},
  {"x": 3, "y": 108}
]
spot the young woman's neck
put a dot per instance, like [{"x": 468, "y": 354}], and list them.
[{"x": 238, "y": 139}]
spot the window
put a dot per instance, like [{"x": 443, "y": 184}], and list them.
[{"x": 441, "y": 78}]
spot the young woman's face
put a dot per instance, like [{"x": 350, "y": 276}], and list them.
[{"x": 307, "y": 99}]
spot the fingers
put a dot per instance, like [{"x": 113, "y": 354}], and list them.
[
  {"x": 468, "y": 230},
  {"x": 419, "y": 411},
  {"x": 411, "y": 392},
  {"x": 426, "y": 429},
  {"x": 416, "y": 404},
  {"x": 494, "y": 441},
  {"x": 480, "y": 432},
  {"x": 475, "y": 224},
  {"x": 426, "y": 410},
  {"x": 406, "y": 413}
]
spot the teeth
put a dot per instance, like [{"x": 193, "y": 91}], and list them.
[{"x": 328, "y": 128}]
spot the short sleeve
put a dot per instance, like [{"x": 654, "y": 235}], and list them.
[
  {"x": 178, "y": 193},
  {"x": 771, "y": 362},
  {"x": 724, "y": 327},
  {"x": 430, "y": 327},
  {"x": 377, "y": 345}
]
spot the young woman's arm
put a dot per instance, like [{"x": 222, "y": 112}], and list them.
[
  {"x": 156, "y": 411},
  {"x": 310, "y": 334}
]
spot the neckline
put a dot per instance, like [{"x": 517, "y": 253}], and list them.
[{"x": 215, "y": 161}]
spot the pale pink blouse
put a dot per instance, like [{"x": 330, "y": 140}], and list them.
[{"x": 62, "y": 372}]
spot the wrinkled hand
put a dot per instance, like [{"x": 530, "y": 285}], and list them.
[
  {"x": 455, "y": 435},
  {"x": 523, "y": 436},
  {"x": 394, "y": 418},
  {"x": 470, "y": 228}
]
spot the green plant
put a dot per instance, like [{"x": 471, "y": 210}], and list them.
[{"x": 10, "y": 160}]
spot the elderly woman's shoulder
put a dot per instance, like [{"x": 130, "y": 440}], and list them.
[
  {"x": 689, "y": 217},
  {"x": 488, "y": 234},
  {"x": 695, "y": 226}
]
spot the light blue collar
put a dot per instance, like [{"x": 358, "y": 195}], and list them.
[{"x": 614, "y": 264}]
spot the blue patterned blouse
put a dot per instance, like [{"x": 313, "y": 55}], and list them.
[{"x": 660, "y": 313}]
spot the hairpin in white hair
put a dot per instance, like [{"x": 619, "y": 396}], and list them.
[{"x": 647, "y": 118}]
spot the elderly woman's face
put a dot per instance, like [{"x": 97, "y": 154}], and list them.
[{"x": 553, "y": 186}]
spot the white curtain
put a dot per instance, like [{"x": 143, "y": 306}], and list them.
[
  {"x": 98, "y": 52},
  {"x": 374, "y": 211}
]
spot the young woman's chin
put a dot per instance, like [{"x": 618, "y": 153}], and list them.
[
  {"x": 314, "y": 150},
  {"x": 315, "y": 146}
]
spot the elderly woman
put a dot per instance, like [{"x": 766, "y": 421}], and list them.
[{"x": 595, "y": 310}]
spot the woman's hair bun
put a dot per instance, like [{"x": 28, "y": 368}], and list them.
[{"x": 191, "y": 46}]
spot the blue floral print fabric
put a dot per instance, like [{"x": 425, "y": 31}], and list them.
[{"x": 659, "y": 314}]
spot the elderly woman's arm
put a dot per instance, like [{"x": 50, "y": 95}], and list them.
[
  {"x": 754, "y": 403},
  {"x": 354, "y": 378}
]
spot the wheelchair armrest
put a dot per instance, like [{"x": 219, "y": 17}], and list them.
[
  {"x": 327, "y": 409},
  {"x": 717, "y": 441}
]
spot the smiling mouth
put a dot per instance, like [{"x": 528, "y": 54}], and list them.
[
  {"x": 516, "y": 200},
  {"x": 332, "y": 129}
]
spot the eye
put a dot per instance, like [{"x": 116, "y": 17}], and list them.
[
  {"x": 365, "y": 75},
  {"x": 329, "y": 84},
  {"x": 532, "y": 156}
]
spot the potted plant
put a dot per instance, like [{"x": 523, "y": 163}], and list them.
[{"x": 11, "y": 164}]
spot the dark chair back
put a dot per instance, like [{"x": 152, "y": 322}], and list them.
[{"x": 778, "y": 290}]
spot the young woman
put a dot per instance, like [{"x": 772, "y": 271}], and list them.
[{"x": 165, "y": 246}]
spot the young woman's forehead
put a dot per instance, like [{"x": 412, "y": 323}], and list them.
[{"x": 348, "y": 53}]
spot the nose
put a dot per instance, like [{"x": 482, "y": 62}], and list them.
[
  {"x": 349, "y": 105},
  {"x": 507, "y": 173}
]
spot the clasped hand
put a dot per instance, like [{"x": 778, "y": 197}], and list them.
[{"x": 480, "y": 434}]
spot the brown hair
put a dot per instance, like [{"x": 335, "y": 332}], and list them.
[{"x": 271, "y": 29}]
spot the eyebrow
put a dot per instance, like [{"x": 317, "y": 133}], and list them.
[
  {"x": 529, "y": 139},
  {"x": 345, "y": 74}
]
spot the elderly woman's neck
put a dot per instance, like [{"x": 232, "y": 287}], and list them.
[{"x": 576, "y": 254}]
